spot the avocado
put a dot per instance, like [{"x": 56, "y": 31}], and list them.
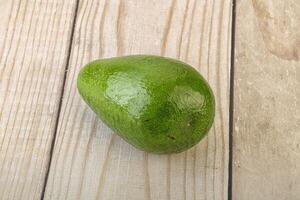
[{"x": 157, "y": 104}]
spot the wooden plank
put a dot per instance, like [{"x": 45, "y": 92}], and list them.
[
  {"x": 89, "y": 162},
  {"x": 34, "y": 42},
  {"x": 267, "y": 100}
]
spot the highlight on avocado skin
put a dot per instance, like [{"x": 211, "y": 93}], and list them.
[{"x": 157, "y": 104}]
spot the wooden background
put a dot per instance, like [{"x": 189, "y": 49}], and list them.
[{"x": 52, "y": 146}]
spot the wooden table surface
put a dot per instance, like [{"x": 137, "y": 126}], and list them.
[{"x": 52, "y": 146}]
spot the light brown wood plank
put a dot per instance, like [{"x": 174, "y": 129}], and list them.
[
  {"x": 266, "y": 151},
  {"x": 89, "y": 161},
  {"x": 34, "y": 41}
]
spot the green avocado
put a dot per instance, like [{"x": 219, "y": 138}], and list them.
[{"x": 157, "y": 104}]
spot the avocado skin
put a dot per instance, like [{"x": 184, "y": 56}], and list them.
[{"x": 157, "y": 104}]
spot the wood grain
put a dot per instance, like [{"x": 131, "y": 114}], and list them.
[
  {"x": 267, "y": 101},
  {"x": 34, "y": 41},
  {"x": 89, "y": 161}
]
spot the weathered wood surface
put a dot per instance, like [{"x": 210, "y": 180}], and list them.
[
  {"x": 266, "y": 142},
  {"x": 34, "y": 43},
  {"x": 89, "y": 161}
]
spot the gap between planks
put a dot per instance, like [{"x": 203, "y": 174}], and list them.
[
  {"x": 231, "y": 98},
  {"x": 61, "y": 98}
]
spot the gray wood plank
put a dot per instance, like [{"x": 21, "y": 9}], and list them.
[
  {"x": 89, "y": 161},
  {"x": 266, "y": 150},
  {"x": 34, "y": 42}
]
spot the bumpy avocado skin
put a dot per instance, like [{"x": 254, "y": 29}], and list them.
[{"x": 157, "y": 104}]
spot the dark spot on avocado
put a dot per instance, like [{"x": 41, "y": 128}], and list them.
[
  {"x": 171, "y": 137},
  {"x": 188, "y": 94}
]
